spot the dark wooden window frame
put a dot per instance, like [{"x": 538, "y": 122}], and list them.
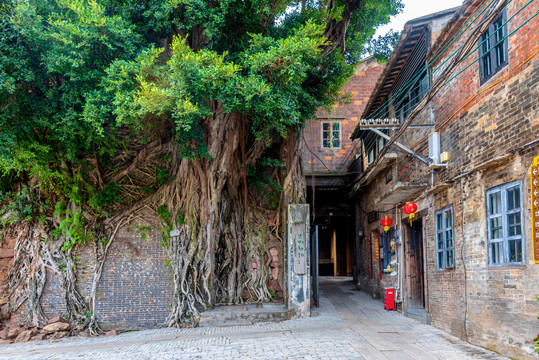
[{"x": 489, "y": 51}]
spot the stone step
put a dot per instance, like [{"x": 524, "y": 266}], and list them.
[
  {"x": 234, "y": 315},
  {"x": 418, "y": 314}
]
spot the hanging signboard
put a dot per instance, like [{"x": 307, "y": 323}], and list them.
[{"x": 534, "y": 189}]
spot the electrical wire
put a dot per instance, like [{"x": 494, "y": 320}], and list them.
[
  {"x": 314, "y": 154},
  {"x": 373, "y": 138},
  {"x": 519, "y": 27},
  {"x": 457, "y": 35},
  {"x": 453, "y": 117},
  {"x": 471, "y": 52}
]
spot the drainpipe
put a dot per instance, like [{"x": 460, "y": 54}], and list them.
[{"x": 398, "y": 217}]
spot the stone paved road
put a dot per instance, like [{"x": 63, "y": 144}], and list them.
[{"x": 349, "y": 325}]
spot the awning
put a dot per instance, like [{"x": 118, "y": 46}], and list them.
[
  {"x": 400, "y": 192},
  {"x": 388, "y": 159}
]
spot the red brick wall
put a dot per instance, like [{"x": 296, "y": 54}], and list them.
[{"x": 315, "y": 157}]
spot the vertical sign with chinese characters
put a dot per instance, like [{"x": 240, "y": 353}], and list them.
[
  {"x": 377, "y": 246},
  {"x": 300, "y": 259},
  {"x": 298, "y": 268},
  {"x": 534, "y": 189}
]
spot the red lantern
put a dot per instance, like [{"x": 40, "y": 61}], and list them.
[
  {"x": 409, "y": 209},
  {"x": 386, "y": 222}
]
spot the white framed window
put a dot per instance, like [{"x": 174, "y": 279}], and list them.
[
  {"x": 445, "y": 239},
  {"x": 331, "y": 134},
  {"x": 504, "y": 225}
]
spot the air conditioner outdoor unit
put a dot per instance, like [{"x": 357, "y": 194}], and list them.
[{"x": 434, "y": 151}]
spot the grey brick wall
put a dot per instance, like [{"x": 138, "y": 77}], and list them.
[{"x": 135, "y": 289}]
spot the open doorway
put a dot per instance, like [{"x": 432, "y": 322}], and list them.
[
  {"x": 333, "y": 213},
  {"x": 415, "y": 285},
  {"x": 335, "y": 246}
]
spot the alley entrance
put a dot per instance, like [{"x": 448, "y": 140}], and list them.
[
  {"x": 334, "y": 246},
  {"x": 332, "y": 212}
]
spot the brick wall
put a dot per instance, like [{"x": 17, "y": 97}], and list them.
[
  {"x": 445, "y": 288},
  {"x": 366, "y": 248},
  {"x": 315, "y": 157},
  {"x": 479, "y": 123},
  {"x": 136, "y": 287},
  {"x": 500, "y": 307}
]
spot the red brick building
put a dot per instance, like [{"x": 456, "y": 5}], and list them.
[
  {"x": 463, "y": 87},
  {"x": 326, "y": 152}
]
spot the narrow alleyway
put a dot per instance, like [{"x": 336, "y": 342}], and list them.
[{"x": 349, "y": 325}]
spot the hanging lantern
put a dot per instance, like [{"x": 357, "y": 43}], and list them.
[
  {"x": 409, "y": 209},
  {"x": 386, "y": 222}
]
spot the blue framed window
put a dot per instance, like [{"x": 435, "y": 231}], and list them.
[
  {"x": 445, "y": 239},
  {"x": 504, "y": 225}
]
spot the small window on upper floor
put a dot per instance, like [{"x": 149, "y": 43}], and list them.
[
  {"x": 374, "y": 146},
  {"x": 493, "y": 48},
  {"x": 331, "y": 134}
]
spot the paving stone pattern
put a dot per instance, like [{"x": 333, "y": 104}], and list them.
[{"x": 348, "y": 325}]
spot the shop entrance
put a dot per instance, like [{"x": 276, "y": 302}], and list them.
[{"x": 415, "y": 287}]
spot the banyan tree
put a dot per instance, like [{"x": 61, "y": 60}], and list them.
[{"x": 187, "y": 111}]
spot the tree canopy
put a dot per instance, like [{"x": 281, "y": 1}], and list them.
[
  {"x": 190, "y": 110},
  {"x": 73, "y": 71}
]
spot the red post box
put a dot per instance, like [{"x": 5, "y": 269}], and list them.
[{"x": 389, "y": 299}]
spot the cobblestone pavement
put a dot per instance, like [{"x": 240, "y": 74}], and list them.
[{"x": 349, "y": 325}]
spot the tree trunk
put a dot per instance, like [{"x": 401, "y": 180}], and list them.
[
  {"x": 218, "y": 251},
  {"x": 216, "y": 232}
]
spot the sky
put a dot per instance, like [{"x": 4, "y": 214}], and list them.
[{"x": 414, "y": 9}]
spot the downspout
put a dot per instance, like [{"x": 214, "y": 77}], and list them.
[
  {"x": 464, "y": 261},
  {"x": 398, "y": 216}
]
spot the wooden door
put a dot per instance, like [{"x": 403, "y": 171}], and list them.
[{"x": 414, "y": 266}]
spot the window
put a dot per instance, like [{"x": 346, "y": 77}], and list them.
[
  {"x": 331, "y": 134},
  {"x": 504, "y": 226},
  {"x": 387, "y": 251},
  {"x": 389, "y": 175},
  {"x": 408, "y": 100},
  {"x": 374, "y": 147},
  {"x": 372, "y": 154},
  {"x": 445, "y": 241},
  {"x": 493, "y": 48}
]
